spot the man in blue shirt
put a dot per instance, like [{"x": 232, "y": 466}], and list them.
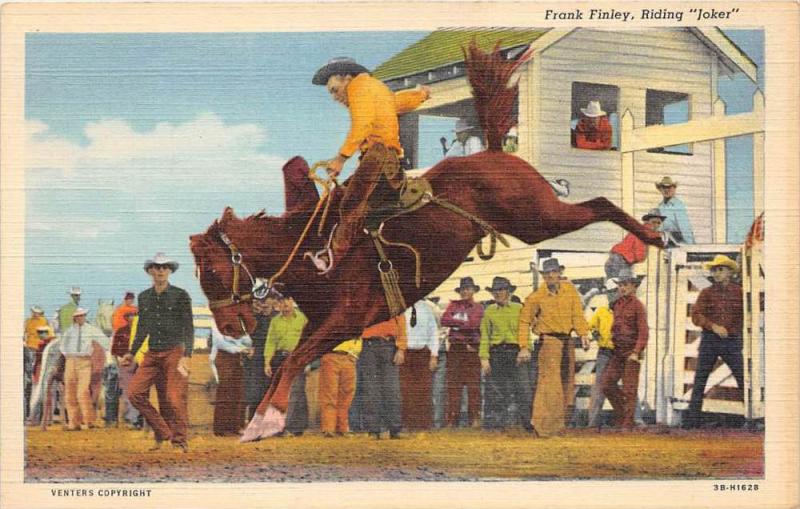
[{"x": 676, "y": 223}]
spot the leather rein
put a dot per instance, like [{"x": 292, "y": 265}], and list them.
[{"x": 263, "y": 287}]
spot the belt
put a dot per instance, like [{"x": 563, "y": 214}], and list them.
[
  {"x": 557, "y": 335},
  {"x": 379, "y": 338},
  {"x": 505, "y": 346}
]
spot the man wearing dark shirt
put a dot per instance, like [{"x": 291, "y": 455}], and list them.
[
  {"x": 719, "y": 312},
  {"x": 464, "y": 366},
  {"x": 165, "y": 316},
  {"x": 629, "y": 333}
]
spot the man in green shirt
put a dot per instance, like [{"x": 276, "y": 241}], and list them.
[
  {"x": 65, "y": 312},
  {"x": 285, "y": 331},
  {"x": 498, "y": 353}
]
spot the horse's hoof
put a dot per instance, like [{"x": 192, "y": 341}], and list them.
[{"x": 269, "y": 424}]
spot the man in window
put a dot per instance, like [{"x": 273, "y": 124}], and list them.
[
  {"x": 467, "y": 141},
  {"x": 676, "y": 223},
  {"x": 593, "y": 130}
]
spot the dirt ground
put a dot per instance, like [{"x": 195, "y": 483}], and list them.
[{"x": 447, "y": 455}]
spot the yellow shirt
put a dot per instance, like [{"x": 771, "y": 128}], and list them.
[
  {"x": 351, "y": 347},
  {"x": 373, "y": 114},
  {"x": 31, "y": 337},
  {"x": 139, "y": 357},
  {"x": 556, "y": 313},
  {"x": 601, "y": 321}
]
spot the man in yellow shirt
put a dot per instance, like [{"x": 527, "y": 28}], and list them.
[
  {"x": 337, "y": 387},
  {"x": 601, "y": 320},
  {"x": 553, "y": 312},
  {"x": 375, "y": 132}
]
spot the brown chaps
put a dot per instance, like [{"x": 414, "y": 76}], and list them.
[{"x": 367, "y": 190}]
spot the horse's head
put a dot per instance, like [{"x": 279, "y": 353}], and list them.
[{"x": 227, "y": 265}]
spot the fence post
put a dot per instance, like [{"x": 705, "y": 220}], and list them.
[
  {"x": 625, "y": 136},
  {"x": 719, "y": 221}
]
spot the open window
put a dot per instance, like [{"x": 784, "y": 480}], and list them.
[
  {"x": 449, "y": 130},
  {"x": 668, "y": 108},
  {"x": 594, "y": 123}
]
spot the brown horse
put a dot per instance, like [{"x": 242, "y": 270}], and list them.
[{"x": 500, "y": 188}]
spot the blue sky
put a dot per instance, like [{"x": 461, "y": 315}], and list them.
[{"x": 136, "y": 141}]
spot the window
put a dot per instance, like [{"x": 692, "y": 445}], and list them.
[
  {"x": 594, "y": 123},
  {"x": 668, "y": 108}
]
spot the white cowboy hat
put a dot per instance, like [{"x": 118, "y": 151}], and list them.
[
  {"x": 161, "y": 259},
  {"x": 37, "y": 310},
  {"x": 75, "y": 290},
  {"x": 79, "y": 312},
  {"x": 593, "y": 109},
  {"x": 462, "y": 124}
]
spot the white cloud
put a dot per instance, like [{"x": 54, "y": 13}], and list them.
[
  {"x": 124, "y": 180},
  {"x": 191, "y": 149}
]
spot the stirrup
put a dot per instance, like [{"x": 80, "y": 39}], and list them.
[{"x": 320, "y": 264}]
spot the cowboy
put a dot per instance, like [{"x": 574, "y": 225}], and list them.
[
  {"x": 64, "y": 313},
  {"x": 165, "y": 318},
  {"x": 466, "y": 142},
  {"x": 676, "y": 224},
  {"x": 31, "y": 347},
  {"x": 553, "y": 312},
  {"x": 383, "y": 351},
  {"x": 463, "y": 363},
  {"x": 719, "y": 312},
  {"x": 375, "y": 132},
  {"x": 76, "y": 346},
  {"x": 498, "y": 352},
  {"x": 337, "y": 387},
  {"x": 601, "y": 320},
  {"x": 227, "y": 367},
  {"x": 593, "y": 130},
  {"x": 283, "y": 336},
  {"x": 629, "y": 333},
  {"x": 631, "y": 250},
  {"x": 422, "y": 360},
  {"x": 118, "y": 318}
]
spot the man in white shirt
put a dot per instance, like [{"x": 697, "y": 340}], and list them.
[
  {"x": 466, "y": 142},
  {"x": 421, "y": 360},
  {"x": 226, "y": 357},
  {"x": 76, "y": 345}
]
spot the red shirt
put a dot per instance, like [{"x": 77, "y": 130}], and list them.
[
  {"x": 719, "y": 305},
  {"x": 630, "y": 329},
  {"x": 631, "y": 248},
  {"x": 464, "y": 319},
  {"x": 593, "y": 136}
]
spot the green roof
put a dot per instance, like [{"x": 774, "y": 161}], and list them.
[{"x": 443, "y": 47}]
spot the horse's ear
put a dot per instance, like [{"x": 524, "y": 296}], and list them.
[{"x": 227, "y": 215}]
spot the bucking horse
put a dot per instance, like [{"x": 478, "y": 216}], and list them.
[{"x": 490, "y": 191}]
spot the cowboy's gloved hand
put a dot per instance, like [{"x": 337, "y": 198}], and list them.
[
  {"x": 524, "y": 355},
  {"x": 335, "y": 165},
  {"x": 268, "y": 370},
  {"x": 399, "y": 357},
  {"x": 425, "y": 89},
  {"x": 433, "y": 364},
  {"x": 485, "y": 368}
]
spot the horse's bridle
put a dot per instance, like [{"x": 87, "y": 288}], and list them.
[{"x": 259, "y": 287}]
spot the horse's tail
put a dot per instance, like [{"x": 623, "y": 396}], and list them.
[{"x": 489, "y": 75}]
